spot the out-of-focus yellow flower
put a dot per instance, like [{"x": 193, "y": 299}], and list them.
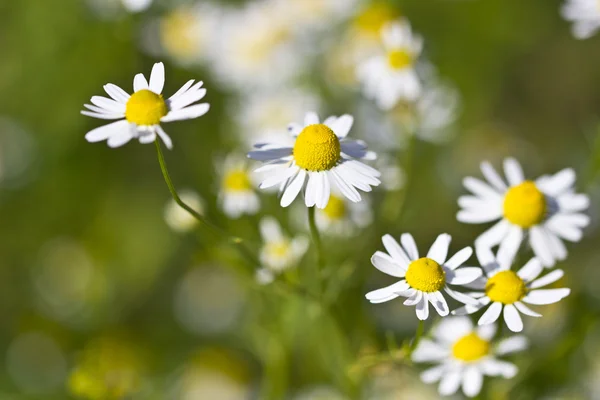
[{"x": 108, "y": 368}]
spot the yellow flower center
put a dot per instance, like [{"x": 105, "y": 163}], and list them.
[
  {"x": 372, "y": 19},
  {"x": 399, "y": 59},
  {"x": 470, "y": 347},
  {"x": 506, "y": 287},
  {"x": 237, "y": 181},
  {"x": 335, "y": 209},
  {"x": 278, "y": 249},
  {"x": 145, "y": 107},
  {"x": 524, "y": 205},
  {"x": 426, "y": 275},
  {"x": 177, "y": 33},
  {"x": 317, "y": 148}
]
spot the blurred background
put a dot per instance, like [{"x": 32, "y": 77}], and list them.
[{"x": 109, "y": 291}]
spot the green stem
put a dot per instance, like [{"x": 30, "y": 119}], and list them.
[
  {"x": 418, "y": 336},
  {"x": 316, "y": 237},
  {"x": 212, "y": 229}
]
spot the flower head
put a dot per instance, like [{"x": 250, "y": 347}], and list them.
[
  {"x": 547, "y": 209},
  {"x": 503, "y": 289},
  {"x": 423, "y": 278},
  {"x": 237, "y": 195},
  {"x": 585, "y": 15},
  {"x": 342, "y": 217},
  {"x": 390, "y": 76},
  {"x": 465, "y": 354},
  {"x": 321, "y": 155},
  {"x": 141, "y": 113}
]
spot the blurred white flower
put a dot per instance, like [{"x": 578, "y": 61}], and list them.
[
  {"x": 423, "y": 278},
  {"x": 141, "y": 113},
  {"x": 390, "y": 77},
  {"x": 263, "y": 115},
  {"x": 342, "y": 217},
  {"x": 179, "y": 219},
  {"x": 237, "y": 195},
  {"x": 185, "y": 34},
  {"x": 465, "y": 354},
  {"x": 321, "y": 155},
  {"x": 257, "y": 47},
  {"x": 316, "y": 14},
  {"x": 137, "y": 5},
  {"x": 279, "y": 252},
  {"x": 547, "y": 209},
  {"x": 393, "y": 176},
  {"x": 585, "y": 16},
  {"x": 507, "y": 290}
]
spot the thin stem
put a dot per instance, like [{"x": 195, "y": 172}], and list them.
[
  {"x": 212, "y": 229},
  {"x": 316, "y": 237},
  {"x": 418, "y": 335}
]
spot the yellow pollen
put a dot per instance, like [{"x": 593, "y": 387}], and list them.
[
  {"x": 317, "y": 148},
  {"x": 399, "y": 59},
  {"x": 145, "y": 107},
  {"x": 524, "y": 205},
  {"x": 506, "y": 287},
  {"x": 237, "y": 181},
  {"x": 278, "y": 249},
  {"x": 470, "y": 347},
  {"x": 374, "y": 17},
  {"x": 426, "y": 275},
  {"x": 335, "y": 209}
]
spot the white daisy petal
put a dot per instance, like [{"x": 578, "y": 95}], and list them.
[
  {"x": 276, "y": 179},
  {"x": 342, "y": 125},
  {"x": 186, "y": 113},
  {"x": 408, "y": 242},
  {"x": 157, "y": 78},
  {"x": 450, "y": 382},
  {"x": 491, "y": 314},
  {"x": 293, "y": 189},
  {"x": 140, "y": 83},
  {"x": 395, "y": 289},
  {"x": 106, "y": 131},
  {"x": 346, "y": 189},
  {"x": 394, "y": 249},
  {"x": 387, "y": 264},
  {"x": 479, "y": 216},
  {"x": 310, "y": 196},
  {"x": 557, "y": 247},
  {"x": 438, "y": 301},
  {"x": 183, "y": 89},
  {"x": 102, "y": 115},
  {"x": 116, "y": 93},
  {"x": 539, "y": 244},
  {"x": 513, "y": 171},
  {"x": 480, "y": 188},
  {"x": 572, "y": 202},
  {"x": 493, "y": 177},
  {"x": 559, "y": 182},
  {"x": 109, "y": 105},
  {"x": 510, "y": 246},
  {"x": 464, "y": 275},
  {"x": 463, "y": 298},
  {"x": 526, "y": 310},
  {"x": 165, "y": 138},
  {"x": 414, "y": 298},
  {"x": 494, "y": 235},
  {"x": 531, "y": 270},
  {"x": 459, "y": 258},
  {"x": 512, "y": 344},
  {"x": 423, "y": 307},
  {"x": 439, "y": 249},
  {"x": 487, "y": 332},
  {"x": 433, "y": 374},
  {"x": 512, "y": 318},
  {"x": 472, "y": 381},
  {"x": 493, "y": 367},
  {"x": 120, "y": 137},
  {"x": 311, "y": 118},
  {"x": 428, "y": 351},
  {"x": 546, "y": 296},
  {"x": 547, "y": 279},
  {"x": 449, "y": 330}
]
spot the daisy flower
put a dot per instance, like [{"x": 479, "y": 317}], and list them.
[
  {"x": 321, "y": 155},
  {"x": 547, "y": 210},
  {"x": 342, "y": 217},
  {"x": 585, "y": 15},
  {"x": 504, "y": 289},
  {"x": 423, "y": 278},
  {"x": 279, "y": 253},
  {"x": 391, "y": 77},
  {"x": 141, "y": 113},
  {"x": 137, "y": 5},
  {"x": 237, "y": 195},
  {"x": 465, "y": 354}
]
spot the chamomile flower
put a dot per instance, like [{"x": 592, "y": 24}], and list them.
[
  {"x": 391, "y": 77},
  {"x": 237, "y": 195},
  {"x": 504, "y": 289},
  {"x": 279, "y": 253},
  {"x": 585, "y": 15},
  {"x": 141, "y": 113},
  {"x": 547, "y": 209},
  {"x": 465, "y": 354},
  {"x": 423, "y": 278},
  {"x": 342, "y": 217},
  {"x": 136, "y": 5},
  {"x": 321, "y": 155}
]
